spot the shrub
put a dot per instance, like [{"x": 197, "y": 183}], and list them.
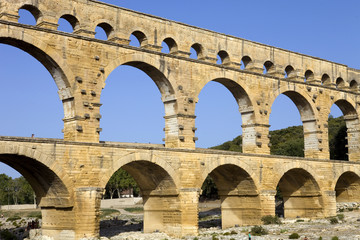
[
  {"x": 300, "y": 220},
  {"x": 14, "y": 218},
  {"x": 258, "y": 231},
  {"x": 268, "y": 219},
  {"x": 341, "y": 210},
  {"x": 294, "y": 236},
  {"x": 350, "y": 209},
  {"x": 335, "y": 238},
  {"x": 6, "y": 235},
  {"x": 341, "y": 217},
  {"x": 320, "y": 238},
  {"x": 334, "y": 220}
]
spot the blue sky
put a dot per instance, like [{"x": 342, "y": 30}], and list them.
[{"x": 327, "y": 29}]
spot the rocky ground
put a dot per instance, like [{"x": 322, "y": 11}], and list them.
[{"x": 125, "y": 225}]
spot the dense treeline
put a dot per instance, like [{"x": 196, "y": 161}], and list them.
[
  {"x": 15, "y": 191},
  {"x": 286, "y": 142},
  {"x": 290, "y": 141}
]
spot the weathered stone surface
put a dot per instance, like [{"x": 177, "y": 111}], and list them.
[{"x": 69, "y": 175}]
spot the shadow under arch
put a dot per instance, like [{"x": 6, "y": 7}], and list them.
[
  {"x": 300, "y": 193},
  {"x": 348, "y": 187},
  {"x": 351, "y": 121},
  {"x": 239, "y": 196},
  {"x": 52, "y": 187},
  {"x": 157, "y": 182},
  {"x": 50, "y": 62},
  {"x": 308, "y": 117}
]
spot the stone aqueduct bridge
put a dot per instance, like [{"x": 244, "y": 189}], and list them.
[{"x": 69, "y": 175}]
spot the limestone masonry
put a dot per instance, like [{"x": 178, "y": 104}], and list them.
[{"x": 69, "y": 175}]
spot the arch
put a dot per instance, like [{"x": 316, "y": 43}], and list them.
[
  {"x": 348, "y": 187},
  {"x": 308, "y": 117},
  {"x": 300, "y": 193},
  {"x": 347, "y": 108},
  {"x": 199, "y": 49},
  {"x": 53, "y": 62},
  {"x": 268, "y": 67},
  {"x": 224, "y": 57},
  {"x": 289, "y": 71},
  {"x": 340, "y": 83},
  {"x": 325, "y": 79},
  {"x": 33, "y": 10},
  {"x": 354, "y": 85},
  {"x": 134, "y": 160},
  {"x": 151, "y": 66},
  {"x": 309, "y": 76},
  {"x": 240, "y": 201},
  {"x": 108, "y": 29},
  {"x": 245, "y": 61},
  {"x": 172, "y": 45},
  {"x": 52, "y": 185},
  {"x": 140, "y": 36},
  {"x": 73, "y": 21}
]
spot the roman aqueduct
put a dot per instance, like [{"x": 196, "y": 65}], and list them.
[{"x": 69, "y": 175}]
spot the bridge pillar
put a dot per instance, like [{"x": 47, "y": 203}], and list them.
[
  {"x": 58, "y": 223},
  {"x": 162, "y": 213},
  {"x": 353, "y": 138},
  {"x": 329, "y": 203},
  {"x": 180, "y": 131},
  {"x": 306, "y": 205},
  {"x": 87, "y": 212},
  {"x": 267, "y": 199},
  {"x": 312, "y": 136},
  {"x": 189, "y": 200},
  {"x": 256, "y": 138},
  {"x": 240, "y": 210}
]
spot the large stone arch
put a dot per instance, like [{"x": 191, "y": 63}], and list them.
[
  {"x": 49, "y": 58},
  {"x": 56, "y": 186},
  {"x": 251, "y": 121},
  {"x": 137, "y": 157},
  {"x": 155, "y": 68},
  {"x": 238, "y": 192},
  {"x": 51, "y": 184},
  {"x": 300, "y": 192},
  {"x": 308, "y": 115},
  {"x": 347, "y": 188},
  {"x": 157, "y": 181},
  {"x": 351, "y": 117}
]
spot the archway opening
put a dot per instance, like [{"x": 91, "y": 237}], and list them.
[
  {"x": 309, "y": 76},
  {"x": 151, "y": 196},
  {"x": 169, "y": 46},
  {"x": 234, "y": 200},
  {"x": 337, "y": 133},
  {"x": 37, "y": 186},
  {"x": 103, "y": 31},
  {"x": 29, "y": 96},
  {"x": 287, "y": 133},
  {"x": 196, "y": 51},
  {"x": 245, "y": 62},
  {"x": 141, "y": 119},
  {"x": 348, "y": 188},
  {"x": 138, "y": 39},
  {"x": 298, "y": 195},
  {"x": 290, "y": 72},
  {"x": 325, "y": 80},
  {"x": 29, "y": 15},
  {"x": 354, "y": 86},
  {"x": 68, "y": 23},
  {"x": 268, "y": 67},
  {"x": 218, "y": 118},
  {"x": 223, "y": 58}
]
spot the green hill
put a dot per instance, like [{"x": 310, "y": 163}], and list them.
[{"x": 290, "y": 141}]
